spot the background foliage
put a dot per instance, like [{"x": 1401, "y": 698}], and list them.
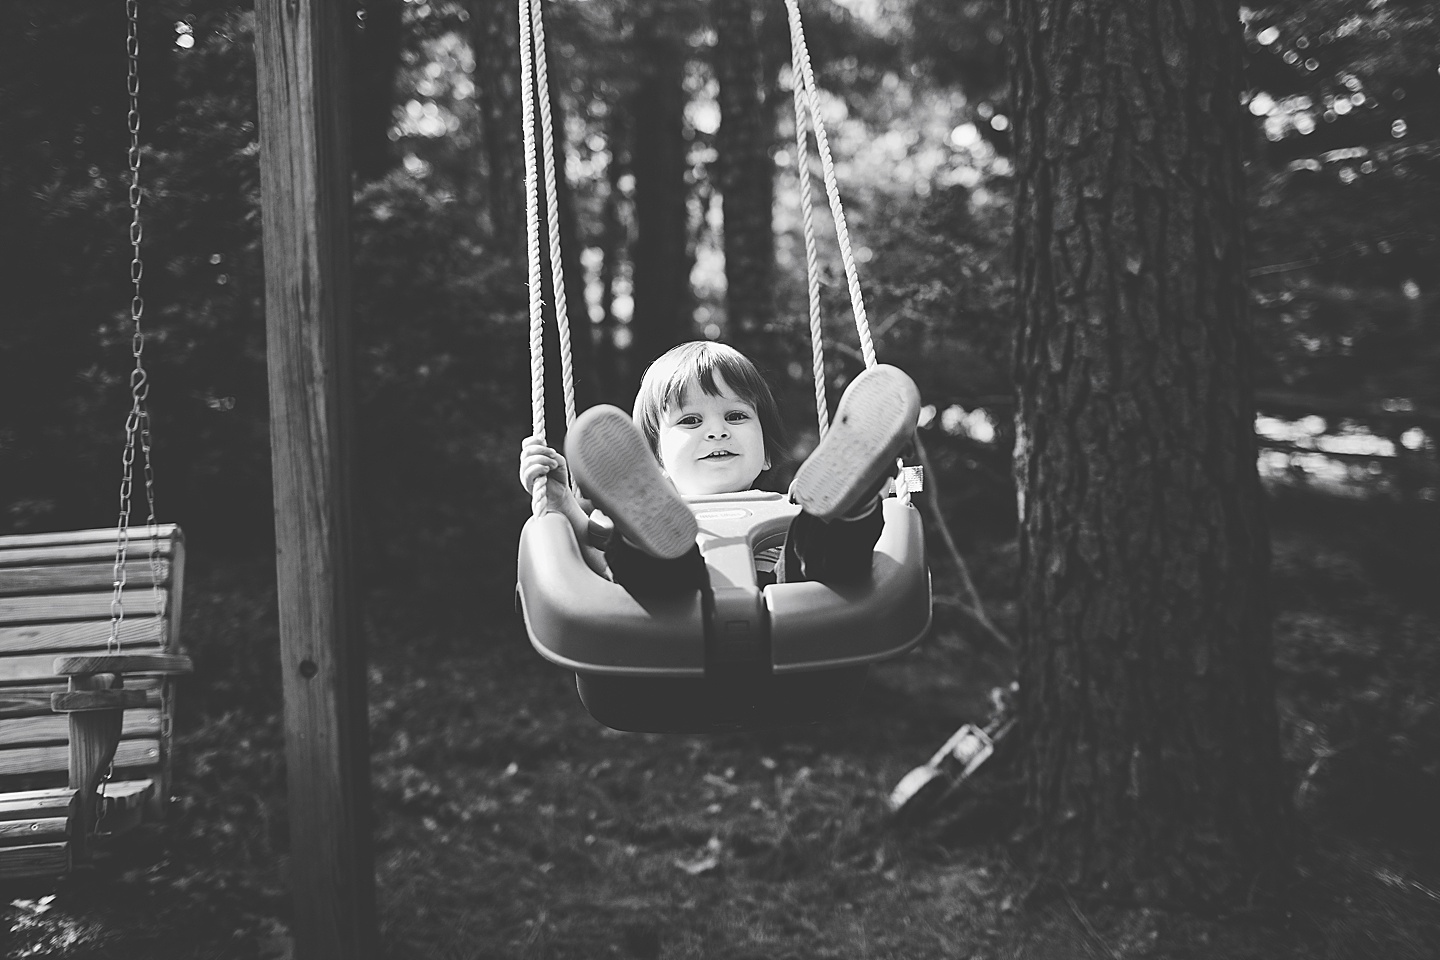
[
  {"x": 1345, "y": 96},
  {"x": 1345, "y": 100}
]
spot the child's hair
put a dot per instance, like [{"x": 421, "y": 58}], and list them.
[{"x": 695, "y": 364}]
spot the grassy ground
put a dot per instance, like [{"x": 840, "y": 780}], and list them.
[{"x": 507, "y": 824}]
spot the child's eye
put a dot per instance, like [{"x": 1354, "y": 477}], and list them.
[
  {"x": 688, "y": 420},
  {"x": 736, "y": 416}
]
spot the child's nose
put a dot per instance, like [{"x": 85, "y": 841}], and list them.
[{"x": 718, "y": 430}]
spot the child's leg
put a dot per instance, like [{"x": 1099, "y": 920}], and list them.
[
  {"x": 839, "y": 485},
  {"x": 652, "y": 551},
  {"x": 644, "y": 575},
  {"x": 875, "y": 418},
  {"x": 830, "y": 551}
]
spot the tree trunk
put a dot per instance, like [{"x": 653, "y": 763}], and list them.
[
  {"x": 746, "y": 176},
  {"x": 494, "y": 38},
  {"x": 610, "y": 372},
  {"x": 1151, "y": 756},
  {"x": 377, "y": 49},
  {"x": 658, "y": 159}
]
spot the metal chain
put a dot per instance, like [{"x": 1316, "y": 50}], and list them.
[
  {"x": 137, "y": 421},
  {"x": 139, "y": 378}
]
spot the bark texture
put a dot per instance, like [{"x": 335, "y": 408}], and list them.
[
  {"x": 494, "y": 37},
  {"x": 377, "y": 48},
  {"x": 662, "y": 257},
  {"x": 1147, "y": 691},
  {"x": 746, "y": 174}
]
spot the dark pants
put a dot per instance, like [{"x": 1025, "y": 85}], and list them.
[{"x": 835, "y": 551}]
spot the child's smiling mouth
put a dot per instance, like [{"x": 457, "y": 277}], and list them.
[{"x": 718, "y": 455}]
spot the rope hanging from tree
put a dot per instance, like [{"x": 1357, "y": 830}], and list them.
[
  {"x": 807, "y": 114},
  {"x": 535, "y": 88}
]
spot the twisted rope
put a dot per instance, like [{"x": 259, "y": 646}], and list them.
[
  {"x": 812, "y": 259},
  {"x": 552, "y": 211},
  {"x": 532, "y": 237},
  {"x": 801, "y": 55}
]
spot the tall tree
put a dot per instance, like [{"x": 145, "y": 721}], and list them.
[
  {"x": 494, "y": 41},
  {"x": 494, "y": 36},
  {"x": 1151, "y": 758},
  {"x": 746, "y": 173},
  {"x": 611, "y": 367},
  {"x": 372, "y": 78},
  {"x": 658, "y": 161}
]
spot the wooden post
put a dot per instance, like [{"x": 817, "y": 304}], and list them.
[{"x": 301, "y": 64}]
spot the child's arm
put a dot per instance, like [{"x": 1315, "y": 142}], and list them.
[{"x": 538, "y": 460}]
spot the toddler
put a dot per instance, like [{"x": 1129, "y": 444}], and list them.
[{"x": 705, "y": 422}]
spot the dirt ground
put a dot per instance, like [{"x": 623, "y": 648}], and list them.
[{"x": 507, "y": 824}]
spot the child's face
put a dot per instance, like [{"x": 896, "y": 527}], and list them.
[{"x": 711, "y": 444}]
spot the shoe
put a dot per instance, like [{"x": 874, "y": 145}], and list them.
[
  {"x": 876, "y": 417},
  {"x": 615, "y": 468}
]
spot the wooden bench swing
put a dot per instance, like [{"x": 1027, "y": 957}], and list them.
[
  {"x": 68, "y": 710},
  {"x": 86, "y": 701}
]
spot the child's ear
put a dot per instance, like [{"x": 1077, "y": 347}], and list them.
[{"x": 767, "y": 464}]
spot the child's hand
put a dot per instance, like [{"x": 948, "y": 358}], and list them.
[{"x": 537, "y": 460}]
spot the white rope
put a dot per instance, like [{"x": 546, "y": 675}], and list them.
[
  {"x": 812, "y": 259},
  {"x": 801, "y": 55},
  {"x": 535, "y": 88},
  {"x": 532, "y": 236},
  {"x": 552, "y": 212}
]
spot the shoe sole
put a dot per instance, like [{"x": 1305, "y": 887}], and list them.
[
  {"x": 848, "y": 463},
  {"x": 615, "y": 468}
]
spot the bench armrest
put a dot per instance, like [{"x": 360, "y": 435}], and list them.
[{"x": 168, "y": 664}]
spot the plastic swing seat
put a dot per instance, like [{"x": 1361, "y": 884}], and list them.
[{"x": 735, "y": 656}]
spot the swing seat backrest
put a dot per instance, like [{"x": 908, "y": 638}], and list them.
[
  {"x": 586, "y": 623},
  {"x": 55, "y": 597}
]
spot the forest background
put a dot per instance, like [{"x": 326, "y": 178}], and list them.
[{"x": 1345, "y": 198}]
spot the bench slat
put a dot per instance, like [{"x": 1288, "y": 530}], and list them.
[
  {"x": 75, "y": 606},
  {"x": 53, "y": 728},
  {"x": 85, "y": 665},
  {"x": 33, "y": 698},
  {"x": 74, "y": 577},
  {"x": 64, "y": 637},
  {"x": 137, "y": 556},
  {"x": 33, "y": 803},
  {"x": 40, "y": 860},
  {"x": 34, "y": 829},
  {"x": 167, "y": 531},
  {"x": 41, "y": 666},
  {"x": 95, "y": 701},
  {"x": 22, "y": 760}
]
